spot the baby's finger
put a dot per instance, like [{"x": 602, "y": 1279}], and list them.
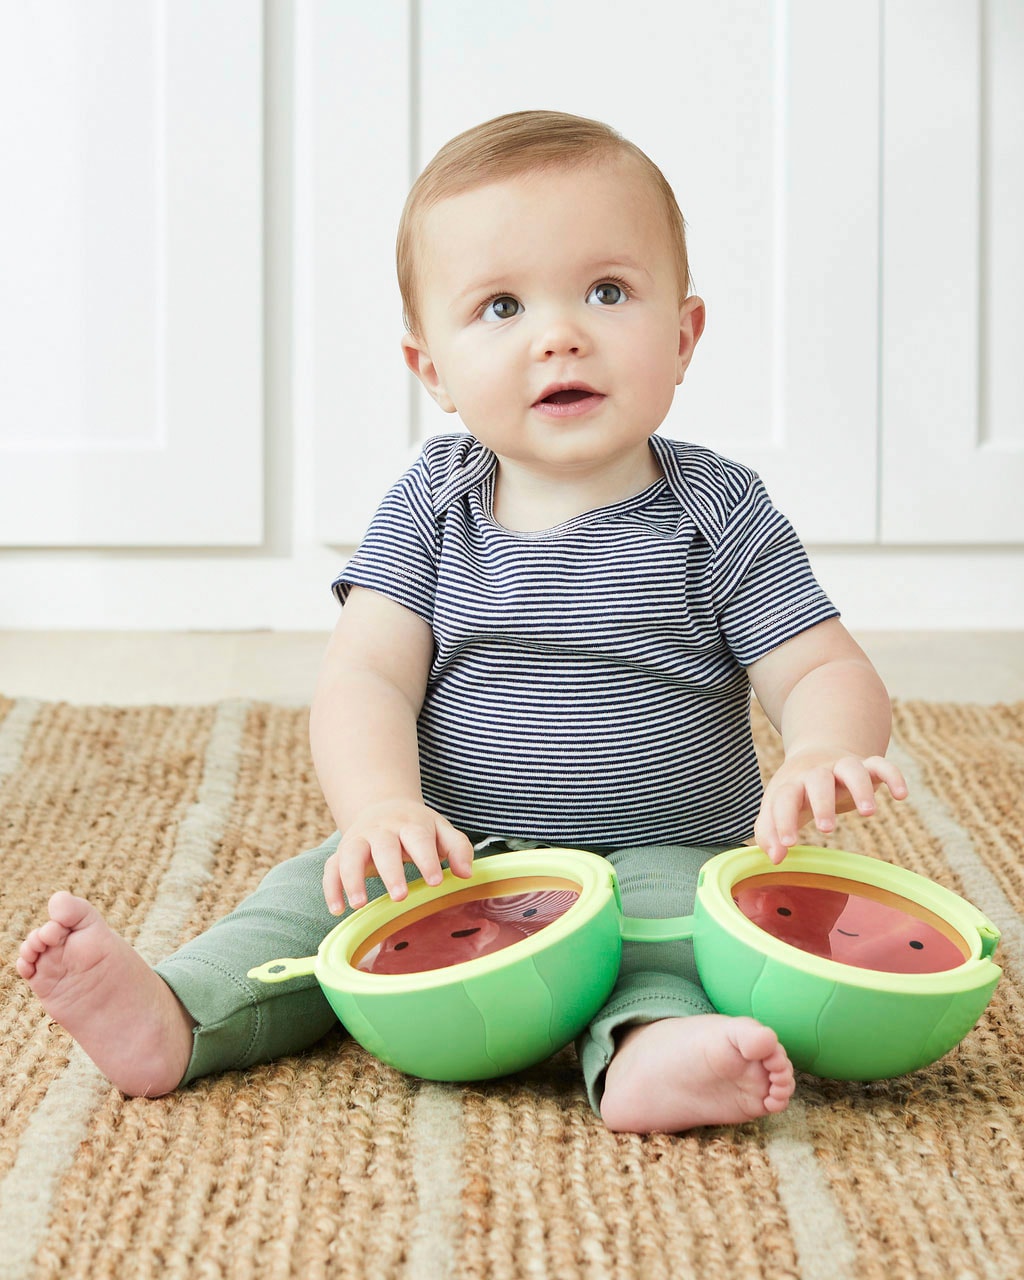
[
  {"x": 855, "y": 777},
  {"x": 386, "y": 854},
  {"x": 787, "y": 808},
  {"x": 353, "y": 857},
  {"x": 457, "y": 848},
  {"x": 333, "y": 894},
  {"x": 420, "y": 847},
  {"x": 820, "y": 788},
  {"x": 888, "y": 773},
  {"x": 766, "y": 833}
]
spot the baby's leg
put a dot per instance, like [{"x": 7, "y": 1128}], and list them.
[
  {"x": 149, "y": 1030},
  {"x": 107, "y": 998},
  {"x": 658, "y": 1057},
  {"x": 241, "y": 1021}
]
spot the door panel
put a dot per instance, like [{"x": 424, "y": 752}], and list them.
[
  {"x": 953, "y": 315},
  {"x": 131, "y": 272}
]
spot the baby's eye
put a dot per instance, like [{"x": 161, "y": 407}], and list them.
[
  {"x": 503, "y": 308},
  {"x": 607, "y": 294}
]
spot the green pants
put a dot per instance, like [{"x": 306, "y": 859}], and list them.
[{"x": 241, "y": 1022}]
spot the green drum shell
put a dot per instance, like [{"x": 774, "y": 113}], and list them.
[
  {"x": 496, "y": 1014},
  {"x": 836, "y": 1020}
]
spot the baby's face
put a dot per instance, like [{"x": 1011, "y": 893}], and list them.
[{"x": 552, "y": 321}]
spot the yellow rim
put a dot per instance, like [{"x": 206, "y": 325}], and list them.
[{"x": 589, "y": 874}]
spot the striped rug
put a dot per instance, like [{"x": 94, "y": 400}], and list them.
[{"x": 331, "y": 1165}]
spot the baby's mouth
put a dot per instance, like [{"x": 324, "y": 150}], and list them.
[
  {"x": 567, "y": 397},
  {"x": 568, "y": 401}
]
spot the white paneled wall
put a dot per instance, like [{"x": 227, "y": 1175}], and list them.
[
  {"x": 131, "y": 274},
  {"x": 952, "y": 465},
  {"x": 201, "y": 389}
]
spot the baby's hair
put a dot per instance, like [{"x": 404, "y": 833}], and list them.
[{"x": 506, "y": 147}]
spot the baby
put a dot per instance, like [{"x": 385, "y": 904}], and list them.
[{"x": 549, "y": 636}]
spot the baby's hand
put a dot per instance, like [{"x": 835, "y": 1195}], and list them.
[
  {"x": 819, "y": 784},
  {"x": 382, "y": 838}
]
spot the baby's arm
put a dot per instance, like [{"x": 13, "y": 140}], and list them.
[
  {"x": 363, "y": 736},
  {"x": 825, "y": 698}
]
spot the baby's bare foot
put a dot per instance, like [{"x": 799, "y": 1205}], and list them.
[
  {"x": 682, "y": 1072},
  {"x": 107, "y": 997}
]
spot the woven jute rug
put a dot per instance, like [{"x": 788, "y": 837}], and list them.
[{"x": 330, "y": 1164}]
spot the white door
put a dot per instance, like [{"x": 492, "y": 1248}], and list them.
[
  {"x": 764, "y": 118},
  {"x": 953, "y": 254},
  {"x": 130, "y": 273}
]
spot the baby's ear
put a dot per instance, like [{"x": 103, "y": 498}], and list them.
[
  {"x": 691, "y": 326},
  {"x": 417, "y": 357}
]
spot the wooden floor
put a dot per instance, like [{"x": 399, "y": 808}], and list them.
[{"x": 198, "y": 667}]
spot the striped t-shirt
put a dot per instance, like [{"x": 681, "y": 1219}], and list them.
[{"x": 588, "y": 684}]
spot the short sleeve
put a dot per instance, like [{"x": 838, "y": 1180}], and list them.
[
  {"x": 398, "y": 555},
  {"x": 764, "y": 589}
]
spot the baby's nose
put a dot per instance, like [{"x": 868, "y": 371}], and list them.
[{"x": 560, "y": 335}]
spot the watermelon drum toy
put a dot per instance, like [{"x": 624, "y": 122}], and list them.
[{"x": 864, "y": 970}]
